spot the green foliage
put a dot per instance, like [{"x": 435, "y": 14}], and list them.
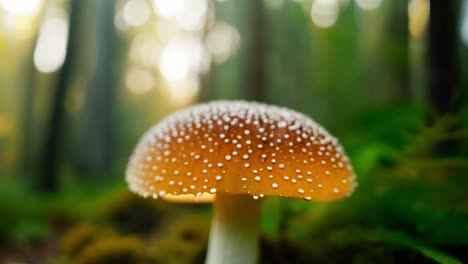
[
  {"x": 27, "y": 215},
  {"x": 355, "y": 235},
  {"x": 22, "y": 215}
]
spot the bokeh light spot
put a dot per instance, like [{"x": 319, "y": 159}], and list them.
[
  {"x": 21, "y": 7},
  {"x": 136, "y": 12},
  {"x": 324, "y": 13},
  {"x": 51, "y": 47},
  {"x": 222, "y": 41},
  {"x": 139, "y": 80},
  {"x": 369, "y": 4}
]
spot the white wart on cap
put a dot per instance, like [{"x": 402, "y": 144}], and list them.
[{"x": 239, "y": 147}]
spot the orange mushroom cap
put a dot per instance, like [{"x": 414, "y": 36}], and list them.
[{"x": 239, "y": 147}]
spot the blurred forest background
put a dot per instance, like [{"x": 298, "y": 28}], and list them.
[{"x": 82, "y": 80}]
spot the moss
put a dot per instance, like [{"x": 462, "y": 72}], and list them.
[
  {"x": 84, "y": 244},
  {"x": 77, "y": 238},
  {"x": 132, "y": 214},
  {"x": 115, "y": 250},
  {"x": 284, "y": 250},
  {"x": 185, "y": 243},
  {"x": 61, "y": 218}
]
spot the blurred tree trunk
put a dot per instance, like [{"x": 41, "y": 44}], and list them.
[
  {"x": 48, "y": 175},
  {"x": 443, "y": 68},
  {"x": 396, "y": 56},
  {"x": 256, "y": 46},
  {"x": 228, "y": 80},
  {"x": 96, "y": 142},
  {"x": 206, "y": 90},
  {"x": 26, "y": 162},
  {"x": 289, "y": 58},
  {"x": 385, "y": 41}
]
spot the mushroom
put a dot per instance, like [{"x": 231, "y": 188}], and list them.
[{"x": 232, "y": 153}]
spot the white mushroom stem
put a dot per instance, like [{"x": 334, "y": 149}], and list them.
[{"x": 234, "y": 235}]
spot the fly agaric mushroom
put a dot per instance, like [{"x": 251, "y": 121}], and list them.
[{"x": 232, "y": 154}]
